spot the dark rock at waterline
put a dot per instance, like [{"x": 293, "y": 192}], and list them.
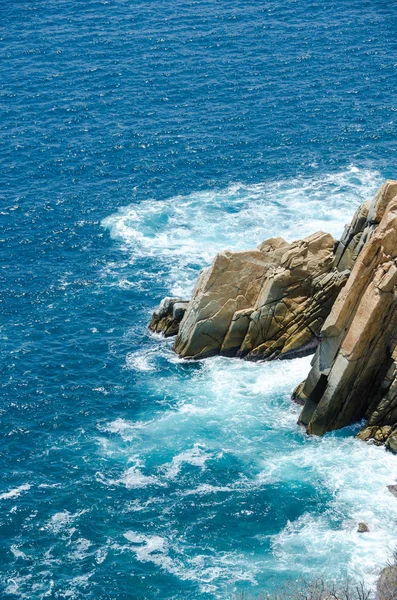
[
  {"x": 386, "y": 588},
  {"x": 362, "y": 528},
  {"x": 392, "y": 489},
  {"x": 167, "y": 317},
  {"x": 297, "y": 396}
]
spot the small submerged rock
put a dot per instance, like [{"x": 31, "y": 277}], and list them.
[
  {"x": 167, "y": 317},
  {"x": 392, "y": 489},
  {"x": 362, "y": 528}
]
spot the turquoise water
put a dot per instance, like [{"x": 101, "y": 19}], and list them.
[{"x": 137, "y": 140}]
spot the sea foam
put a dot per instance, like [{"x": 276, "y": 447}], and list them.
[
  {"x": 183, "y": 233},
  {"x": 238, "y": 416}
]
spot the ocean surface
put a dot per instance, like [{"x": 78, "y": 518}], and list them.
[{"x": 137, "y": 139}]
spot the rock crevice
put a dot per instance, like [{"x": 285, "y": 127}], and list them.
[
  {"x": 262, "y": 304},
  {"x": 353, "y": 374}
]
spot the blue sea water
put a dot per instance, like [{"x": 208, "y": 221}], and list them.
[{"x": 137, "y": 139}]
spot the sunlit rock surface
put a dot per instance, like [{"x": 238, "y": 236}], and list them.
[
  {"x": 262, "y": 304},
  {"x": 353, "y": 373}
]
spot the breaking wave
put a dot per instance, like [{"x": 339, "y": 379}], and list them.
[{"x": 184, "y": 233}]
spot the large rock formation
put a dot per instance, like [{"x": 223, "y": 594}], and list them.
[
  {"x": 279, "y": 300},
  {"x": 262, "y": 304},
  {"x": 354, "y": 371}
]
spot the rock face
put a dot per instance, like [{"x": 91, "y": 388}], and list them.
[
  {"x": 386, "y": 588},
  {"x": 262, "y": 304},
  {"x": 353, "y": 238},
  {"x": 354, "y": 371},
  {"x": 167, "y": 317}
]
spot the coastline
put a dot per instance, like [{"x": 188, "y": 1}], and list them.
[{"x": 355, "y": 322}]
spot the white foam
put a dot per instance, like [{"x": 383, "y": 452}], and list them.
[
  {"x": 80, "y": 549},
  {"x": 101, "y": 555},
  {"x": 239, "y": 409},
  {"x": 150, "y": 548},
  {"x": 206, "y": 570},
  {"x": 49, "y": 485},
  {"x": 184, "y": 233},
  {"x": 195, "y": 456},
  {"x": 13, "y": 587},
  {"x": 134, "y": 478},
  {"x": 76, "y": 585},
  {"x": 61, "y": 522},
  {"x": 141, "y": 360},
  {"x": 127, "y": 429},
  {"x": 357, "y": 475},
  {"x": 14, "y": 493},
  {"x": 206, "y": 488},
  {"x": 17, "y": 552}
]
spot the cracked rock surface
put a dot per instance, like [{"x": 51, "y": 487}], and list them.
[
  {"x": 354, "y": 371},
  {"x": 262, "y": 304}
]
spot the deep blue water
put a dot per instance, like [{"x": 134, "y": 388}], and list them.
[{"x": 136, "y": 140}]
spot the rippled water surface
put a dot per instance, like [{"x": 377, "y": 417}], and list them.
[{"x": 136, "y": 141}]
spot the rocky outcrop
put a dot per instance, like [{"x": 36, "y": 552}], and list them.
[
  {"x": 167, "y": 317},
  {"x": 364, "y": 223},
  {"x": 261, "y": 304},
  {"x": 354, "y": 371},
  {"x": 280, "y": 299},
  {"x": 386, "y": 588}
]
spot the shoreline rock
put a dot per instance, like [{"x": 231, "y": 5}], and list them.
[
  {"x": 167, "y": 317},
  {"x": 386, "y": 588},
  {"x": 262, "y": 304},
  {"x": 362, "y": 528},
  {"x": 354, "y": 372},
  {"x": 283, "y": 300}
]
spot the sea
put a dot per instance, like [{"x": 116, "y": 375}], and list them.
[{"x": 137, "y": 140}]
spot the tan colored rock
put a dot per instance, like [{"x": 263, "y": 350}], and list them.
[
  {"x": 365, "y": 221},
  {"x": 391, "y": 443},
  {"x": 381, "y": 201},
  {"x": 350, "y": 244},
  {"x": 230, "y": 285},
  {"x": 379, "y": 435},
  {"x": 367, "y": 433},
  {"x": 352, "y": 374},
  {"x": 262, "y": 304}
]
